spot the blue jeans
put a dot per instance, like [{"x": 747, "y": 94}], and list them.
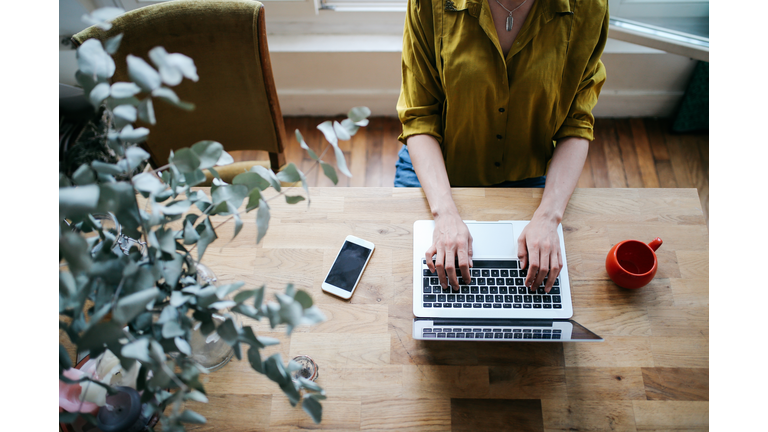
[{"x": 405, "y": 176}]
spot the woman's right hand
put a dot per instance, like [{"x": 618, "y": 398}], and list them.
[{"x": 451, "y": 243}]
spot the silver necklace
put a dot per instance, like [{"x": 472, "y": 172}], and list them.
[{"x": 510, "y": 20}]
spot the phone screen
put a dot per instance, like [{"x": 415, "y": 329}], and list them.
[{"x": 348, "y": 266}]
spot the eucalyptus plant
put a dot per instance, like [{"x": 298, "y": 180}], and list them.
[{"x": 136, "y": 293}]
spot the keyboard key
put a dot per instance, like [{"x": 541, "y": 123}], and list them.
[
  {"x": 465, "y": 289},
  {"x": 531, "y": 290},
  {"x": 456, "y": 330},
  {"x": 451, "y": 335},
  {"x": 509, "y": 281},
  {"x": 557, "y": 281},
  {"x": 537, "y": 335},
  {"x": 540, "y": 290},
  {"x": 466, "y": 305},
  {"x": 430, "y": 298},
  {"x": 494, "y": 290},
  {"x": 470, "y": 298},
  {"x": 519, "y": 281},
  {"x": 470, "y": 336},
  {"x": 518, "y": 298},
  {"x": 546, "y": 336},
  {"x": 427, "y": 289},
  {"x": 556, "y": 331},
  {"x": 441, "y": 298},
  {"x": 479, "y": 298},
  {"x": 554, "y": 290},
  {"x": 526, "y": 298},
  {"x": 498, "y": 298},
  {"x": 489, "y": 298},
  {"x": 547, "y": 306},
  {"x": 483, "y": 290},
  {"x": 527, "y": 336},
  {"x": 451, "y": 298},
  {"x": 537, "y": 299},
  {"x": 537, "y": 305},
  {"x": 441, "y": 335},
  {"x": 517, "y": 306},
  {"x": 547, "y": 299},
  {"x": 429, "y": 305},
  {"x": 523, "y": 272},
  {"x": 486, "y": 272},
  {"x": 434, "y": 281},
  {"x": 476, "y": 305},
  {"x": 460, "y": 298},
  {"x": 489, "y": 335},
  {"x": 513, "y": 290},
  {"x": 498, "y": 335},
  {"x": 503, "y": 290},
  {"x": 504, "y": 273},
  {"x": 497, "y": 305},
  {"x": 556, "y": 299},
  {"x": 481, "y": 281},
  {"x": 507, "y": 306},
  {"x": 499, "y": 281},
  {"x": 474, "y": 289},
  {"x": 494, "y": 273},
  {"x": 460, "y": 335},
  {"x": 557, "y": 306},
  {"x": 555, "y": 336},
  {"x": 487, "y": 330},
  {"x": 525, "y": 306},
  {"x": 518, "y": 335},
  {"x": 486, "y": 305},
  {"x": 475, "y": 273},
  {"x": 508, "y": 298},
  {"x": 429, "y": 335},
  {"x": 437, "y": 305},
  {"x": 507, "y": 335},
  {"x": 429, "y": 273},
  {"x": 513, "y": 273}
]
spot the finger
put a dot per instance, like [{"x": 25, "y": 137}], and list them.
[
  {"x": 543, "y": 268},
  {"x": 429, "y": 256},
  {"x": 450, "y": 269},
  {"x": 522, "y": 251},
  {"x": 554, "y": 270},
  {"x": 470, "y": 251},
  {"x": 533, "y": 267},
  {"x": 440, "y": 267},
  {"x": 466, "y": 276}
]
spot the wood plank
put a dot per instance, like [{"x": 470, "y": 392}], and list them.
[
  {"x": 678, "y": 384},
  {"x": 597, "y": 155},
  {"x": 568, "y": 415},
  {"x": 680, "y": 351},
  {"x": 496, "y": 414},
  {"x": 373, "y": 148},
  {"x": 604, "y": 383},
  {"x": 526, "y": 382},
  {"x": 405, "y": 414},
  {"x": 617, "y": 176},
  {"x": 629, "y": 154},
  {"x": 224, "y": 412},
  {"x": 615, "y": 351},
  {"x": 644, "y": 154},
  {"x": 671, "y": 415},
  {"x": 657, "y": 129},
  {"x": 358, "y": 159}
]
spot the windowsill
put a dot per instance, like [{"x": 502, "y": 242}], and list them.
[{"x": 390, "y": 43}]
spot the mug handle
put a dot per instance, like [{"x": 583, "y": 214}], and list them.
[{"x": 655, "y": 243}]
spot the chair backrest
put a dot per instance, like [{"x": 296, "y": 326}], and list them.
[{"x": 235, "y": 97}]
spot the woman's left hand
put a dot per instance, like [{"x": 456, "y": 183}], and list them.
[{"x": 538, "y": 249}]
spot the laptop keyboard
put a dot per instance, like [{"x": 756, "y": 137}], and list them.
[
  {"x": 490, "y": 333},
  {"x": 495, "y": 284}
]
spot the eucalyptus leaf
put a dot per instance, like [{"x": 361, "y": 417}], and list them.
[
  {"x": 289, "y": 174},
  {"x": 254, "y": 358},
  {"x": 190, "y": 235},
  {"x": 168, "y": 95},
  {"x": 123, "y": 90},
  {"x": 329, "y": 172},
  {"x": 131, "y": 135},
  {"x": 304, "y": 145},
  {"x": 185, "y": 160},
  {"x": 178, "y": 299},
  {"x": 303, "y": 299},
  {"x": 74, "y": 249},
  {"x": 341, "y": 132},
  {"x": 138, "y": 349},
  {"x": 358, "y": 114},
  {"x": 128, "y": 307},
  {"x": 228, "y": 331},
  {"x": 100, "y": 334},
  {"x": 254, "y": 198},
  {"x": 93, "y": 61},
  {"x": 326, "y": 128},
  {"x": 208, "y": 152},
  {"x": 252, "y": 181},
  {"x": 184, "y": 347},
  {"x": 189, "y": 416},
  {"x": 83, "y": 175},
  {"x": 313, "y": 408},
  {"x": 146, "y": 182},
  {"x": 224, "y": 290},
  {"x": 262, "y": 220},
  {"x": 341, "y": 161},
  {"x": 225, "y": 159},
  {"x": 224, "y": 304},
  {"x": 207, "y": 236},
  {"x": 173, "y": 67},
  {"x": 267, "y": 175},
  {"x": 293, "y": 199},
  {"x": 142, "y": 73},
  {"x": 196, "y": 396},
  {"x": 113, "y": 44},
  {"x": 147, "y": 111},
  {"x": 238, "y": 224},
  {"x": 98, "y": 94},
  {"x": 125, "y": 112},
  {"x": 64, "y": 361},
  {"x": 176, "y": 208},
  {"x": 75, "y": 201},
  {"x": 172, "y": 329}
]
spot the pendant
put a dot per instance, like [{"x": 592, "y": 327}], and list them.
[{"x": 510, "y": 21}]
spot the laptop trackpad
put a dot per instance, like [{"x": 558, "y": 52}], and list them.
[{"x": 493, "y": 239}]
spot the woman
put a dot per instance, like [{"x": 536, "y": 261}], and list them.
[{"x": 499, "y": 93}]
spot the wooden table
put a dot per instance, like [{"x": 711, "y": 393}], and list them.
[{"x": 651, "y": 373}]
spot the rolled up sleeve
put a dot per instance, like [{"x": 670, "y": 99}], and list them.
[
  {"x": 419, "y": 106},
  {"x": 580, "y": 122}
]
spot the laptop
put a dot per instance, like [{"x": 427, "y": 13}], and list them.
[{"x": 494, "y": 305}]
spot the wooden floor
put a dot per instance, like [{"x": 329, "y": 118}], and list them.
[{"x": 635, "y": 153}]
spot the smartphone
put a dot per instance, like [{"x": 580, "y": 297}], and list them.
[{"x": 348, "y": 267}]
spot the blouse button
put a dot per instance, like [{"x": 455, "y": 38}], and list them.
[
  {"x": 501, "y": 109},
  {"x": 499, "y": 137},
  {"x": 497, "y": 164}
]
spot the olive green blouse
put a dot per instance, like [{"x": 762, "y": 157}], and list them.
[{"x": 497, "y": 118}]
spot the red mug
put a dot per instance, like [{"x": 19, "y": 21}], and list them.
[{"x": 632, "y": 264}]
